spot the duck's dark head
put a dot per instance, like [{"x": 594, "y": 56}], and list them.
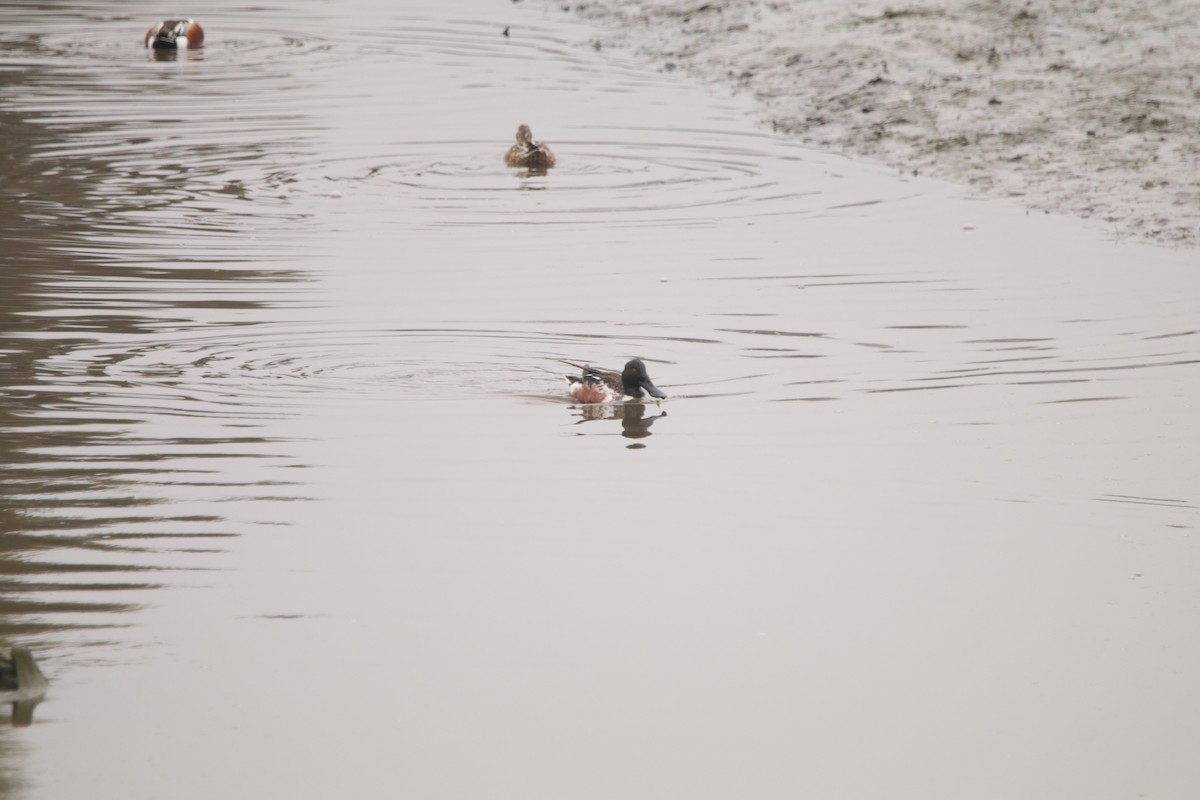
[{"x": 636, "y": 380}]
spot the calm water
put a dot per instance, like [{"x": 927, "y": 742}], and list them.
[{"x": 294, "y": 503}]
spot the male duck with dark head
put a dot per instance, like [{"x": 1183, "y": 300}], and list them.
[
  {"x": 528, "y": 153},
  {"x": 175, "y": 34},
  {"x": 594, "y": 385}
]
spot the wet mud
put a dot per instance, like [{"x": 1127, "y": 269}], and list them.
[{"x": 1066, "y": 106}]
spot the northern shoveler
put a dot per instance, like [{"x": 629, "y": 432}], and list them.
[
  {"x": 528, "y": 153},
  {"x": 175, "y": 33},
  {"x": 604, "y": 386}
]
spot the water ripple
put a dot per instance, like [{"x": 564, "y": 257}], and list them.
[{"x": 264, "y": 370}]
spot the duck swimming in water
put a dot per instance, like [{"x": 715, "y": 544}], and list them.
[
  {"x": 528, "y": 153},
  {"x": 605, "y": 386},
  {"x": 173, "y": 34}
]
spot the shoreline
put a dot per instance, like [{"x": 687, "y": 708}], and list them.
[{"x": 1065, "y": 106}]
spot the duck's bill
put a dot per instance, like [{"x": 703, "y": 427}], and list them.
[{"x": 653, "y": 390}]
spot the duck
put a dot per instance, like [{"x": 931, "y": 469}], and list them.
[
  {"x": 594, "y": 385},
  {"x": 528, "y": 153},
  {"x": 171, "y": 34}
]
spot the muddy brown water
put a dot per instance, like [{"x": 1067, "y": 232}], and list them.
[{"x": 295, "y": 504}]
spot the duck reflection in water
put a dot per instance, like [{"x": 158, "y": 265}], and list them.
[{"x": 634, "y": 422}]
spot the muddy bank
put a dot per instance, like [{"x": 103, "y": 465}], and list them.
[{"x": 1071, "y": 106}]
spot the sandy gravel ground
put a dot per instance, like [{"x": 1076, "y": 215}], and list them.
[{"x": 1085, "y": 107}]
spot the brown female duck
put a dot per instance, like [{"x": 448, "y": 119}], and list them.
[{"x": 528, "y": 153}]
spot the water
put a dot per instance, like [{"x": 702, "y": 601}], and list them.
[{"x": 295, "y": 503}]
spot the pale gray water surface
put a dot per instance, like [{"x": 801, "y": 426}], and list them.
[{"x": 295, "y": 505}]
